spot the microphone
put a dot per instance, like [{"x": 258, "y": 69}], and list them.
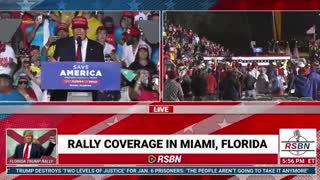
[
  {"x": 79, "y": 42},
  {"x": 297, "y": 134}
]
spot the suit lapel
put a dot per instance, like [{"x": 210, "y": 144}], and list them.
[
  {"x": 73, "y": 48},
  {"x": 88, "y": 54},
  {"x": 21, "y": 150}
]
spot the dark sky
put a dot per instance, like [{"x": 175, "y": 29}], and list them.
[{"x": 235, "y": 30}]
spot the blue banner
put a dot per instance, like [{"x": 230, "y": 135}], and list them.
[
  {"x": 28, "y": 5},
  {"x": 80, "y": 76},
  {"x": 182, "y": 170}
]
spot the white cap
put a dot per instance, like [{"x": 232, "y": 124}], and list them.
[{"x": 301, "y": 64}]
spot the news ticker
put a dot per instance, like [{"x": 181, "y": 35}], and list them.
[
  {"x": 291, "y": 146},
  {"x": 172, "y": 170}
]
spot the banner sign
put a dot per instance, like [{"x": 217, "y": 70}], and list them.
[
  {"x": 80, "y": 76},
  {"x": 176, "y": 170}
]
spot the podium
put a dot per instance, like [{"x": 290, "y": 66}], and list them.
[{"x": 79, "y": 96}]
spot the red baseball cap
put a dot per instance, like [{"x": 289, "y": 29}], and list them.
[
  {"x": 133, "y": 31},
  {"x": 79, "y": 22},
  {"x": 128, "y": 14},
  {"x": 62, "y": 26}
]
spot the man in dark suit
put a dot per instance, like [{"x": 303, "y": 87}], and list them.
[
  {"x": 77, "y": 48},
  {"x": 31, "y": 150}
]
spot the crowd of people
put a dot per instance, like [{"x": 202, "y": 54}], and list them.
[
  {"x": 65, "y": 36},
  {"x": 188, "y": 77},
  {"x": 182, "y": 43}
]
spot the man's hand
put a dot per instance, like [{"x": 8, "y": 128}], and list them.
[
  {"x": 51, "y": 40},
  {"x": 38, "y": 21}
]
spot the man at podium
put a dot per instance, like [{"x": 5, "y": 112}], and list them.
[{"x": 79, "y": 49}]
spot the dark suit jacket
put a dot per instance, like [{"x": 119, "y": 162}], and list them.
[
  {"x": 37, "y": 151},
  {"x": 65, "y": 49}
]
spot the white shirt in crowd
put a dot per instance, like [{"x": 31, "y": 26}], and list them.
[
  {"x": 125, "y": 94},
  {"x": 255, "y": 73},
  {"x": 140, "y": 17},
  {"x": 265, "y": 77},
  {"x": 107, "y": 49},
  {"x": 197, "y": 39},
  {"x": 24, "y": 149},
  {"x": 5, "y": 60},
  {"x": 84, "y": 45},
  {"x": 128, "y": 55}
]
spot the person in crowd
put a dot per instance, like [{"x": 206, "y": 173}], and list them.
[
  {"x": 172, "y": 89},
  {"x": 148, "y": 89},
  {"x": 93, "y": 23},
  {"x": 185, "y": 80},
  {"x": 66, "y": 16},
  {"x": 109, "y": 55},
  {"x": 199, "y": 85},
  {"x": 250, "y": 85},
  {"x": 108, "y": 23},
  {"x": 49, "y": 48},
  {"x": 271, "y": 70},
  {"x": 85, "y": 50},
  {"x": 212, "y": 84},
  {"x": 102, "y": 39},
  {"x": 39, "y": 32},
  {"x": 314, "y": 78},
  {"x": 23, "y": 87},
  {"x": 99, "y": 15},
  {"x": 35, "y": 54},
  {"x": 24, "y": 61},
  {"x": 7, "y": 92},
  {"x": 140, "y": 88},
  {"x": 230, "y": 86},
  {"x": 27, "y": 20},
  {"x": 301, "y": 85},
  {"x": 277, "y": 88},
  {"x": 130, "y": 47},
  {"x": 142, "y": 61},
  {"x": 8, "y": 61},
  {"x": 126, "y": 22},
  {"x": 254, "y": 71},
  {"x": 262, "y": 84}
]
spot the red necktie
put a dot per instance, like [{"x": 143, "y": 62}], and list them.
[
  {"x": 79, "y": 55},
  {"x": 26, "y": 152}
]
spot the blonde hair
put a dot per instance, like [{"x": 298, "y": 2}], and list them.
[{"x": 27, "y": 131}]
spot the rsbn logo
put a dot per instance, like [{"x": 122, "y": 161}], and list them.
[{"x": 297, "y": 145}]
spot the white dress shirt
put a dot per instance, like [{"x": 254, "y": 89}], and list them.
[
  {"x": 84, "y": 45},
  {"x": 24, "y": 149},
  {"x": 107, "y": 49}
]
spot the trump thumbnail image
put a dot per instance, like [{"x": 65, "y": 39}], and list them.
[
  {"x": 241, "y": 56},
  {"x": 31, "y": 146},
  {"x": 34, "y": 39}
]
